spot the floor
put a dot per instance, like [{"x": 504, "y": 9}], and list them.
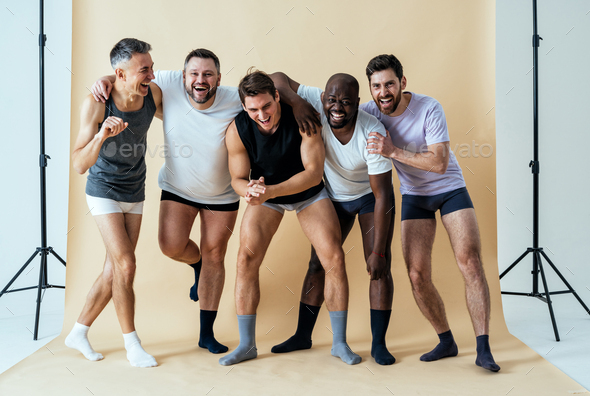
[{"x": 527, "y": 319}]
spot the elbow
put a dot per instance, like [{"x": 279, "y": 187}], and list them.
[
  {"x": 79, "y": 169},
  {"x": 441, "y": 169},
  {"x": 317, "y": 177}
]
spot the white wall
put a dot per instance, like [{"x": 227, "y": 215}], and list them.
[
  {"x": 564, "y": 129},
  {"x": 19, "y": 151}
]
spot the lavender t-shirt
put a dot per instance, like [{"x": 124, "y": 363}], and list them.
[{"x": 423, "y": 123}]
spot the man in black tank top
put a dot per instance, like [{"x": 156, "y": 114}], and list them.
[
  {"x": 286, "y": 169},
  {"x": 115, "y": 189}
]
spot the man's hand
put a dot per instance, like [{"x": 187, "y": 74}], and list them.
[
  {"x": 101, "y": 89},
  {"x": 376, "y": 266},
  {"x": 307, "y": 117},
  {"x": 257, "y": 192},
  {"x": 379, "y": 144},
  {"x": 112, "y": 126}
]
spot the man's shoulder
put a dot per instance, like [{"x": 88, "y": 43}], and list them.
[
  {"x": 92, "y": 109},
  {"x": 370, "y": 108},
  {"x": 424, "y": 101},
  {"x": 369, "y": 123}
]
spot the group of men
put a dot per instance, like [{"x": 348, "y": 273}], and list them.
[{"x": 281, "y": 146}]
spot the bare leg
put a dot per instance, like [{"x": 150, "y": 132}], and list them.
[
  {"x": 380, "y": 290},
  {"x": 463, "y": 232},
  {"x": 312, "y": 297},
  {"x": 216, "y": 229},
  {"x": 259, "y": 224},
  {"x": 320, "y": 224},
  {"x": 417, "y": 241}
]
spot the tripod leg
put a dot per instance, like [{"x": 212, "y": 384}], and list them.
[
  {"x": 19, "y": 272},
  {"x": 514, "y": 263},
  {"x": 57, "y": 256},
  {"x": 42, "y": 275},
  {"x": 565, "y": 282},
  {"x": 547, "y": 296}
]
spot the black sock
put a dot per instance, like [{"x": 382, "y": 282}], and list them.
[
  {"x": 207, "y": 339},
  {"x": 194, "y": 289},
  {"x": 379, "y": 324},
  {"x": 446, "y": 348},
  {"x": 308, "y": 315},
  {"x": 484, "y": 354}
]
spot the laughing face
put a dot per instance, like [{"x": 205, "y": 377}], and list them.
[
  {"x": 264, "y": 109},
  {"x": 386, "y": 90},
  {"x": 201, "y": 79},
  {"x": 341, "y": 102},
  {"x": 138, "y": 72}
]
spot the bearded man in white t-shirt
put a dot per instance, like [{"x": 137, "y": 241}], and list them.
[
  {"x": 430, "y": 180},
  {"x": 358, "y": 183}
]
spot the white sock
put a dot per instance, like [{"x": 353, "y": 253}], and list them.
[
  {"x": 135, "y": 353},
  {"x": 78, "y": 339}
]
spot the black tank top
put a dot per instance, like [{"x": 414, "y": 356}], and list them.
[{"x": 277, "y": 157}]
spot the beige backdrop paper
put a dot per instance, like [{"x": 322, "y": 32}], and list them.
[{"x": 447, "y": 49}]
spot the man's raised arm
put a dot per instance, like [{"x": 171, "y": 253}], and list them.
[
  {"x": 306, "y": 116},
  {"x": 89, "y": 142}
]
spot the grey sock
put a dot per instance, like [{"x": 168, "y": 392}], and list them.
[
  {"x": 339, "y": 346},
  {"x": 247, "y": 348}
]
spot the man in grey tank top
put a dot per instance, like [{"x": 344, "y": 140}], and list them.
[{"x": 111, "y": 144}]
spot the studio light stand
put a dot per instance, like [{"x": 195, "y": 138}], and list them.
[
  {"x": 536, "y": 251},
  {"x": 44, "y": 250}
]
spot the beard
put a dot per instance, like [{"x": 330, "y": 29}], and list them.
[
  {"x": 396, "y": 100},
  {"x": 210, "y": 94},
  {"x": 338, "y": 125}
]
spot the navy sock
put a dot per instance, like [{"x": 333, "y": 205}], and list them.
[
  {"x": 308, "y": 315},
  {"x": 484, "y": 354},
  {"x": 446, "y": 348},
  {"x": 379, "y": 324},
  {"x": 207, "y": 339},
  {"x": 194, "y": 289}
]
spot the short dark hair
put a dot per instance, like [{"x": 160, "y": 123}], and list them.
[
  {"x": 256, "y": 82},
  {"x": 384, "y": 62},
  {"x": 124, "y": 50},
  {"x": 204, "y": 54}
]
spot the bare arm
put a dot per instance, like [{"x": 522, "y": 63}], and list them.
[
  {"x": 89, "y": 141},
  {"x": 306, "y": 116},
  {"x": 381, "y": 187},
  {"x": 436, "y": 159},
  {"x": 238, "y": 161}
]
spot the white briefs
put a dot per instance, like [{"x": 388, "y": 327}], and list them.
[{"x": 99, "y": 206}]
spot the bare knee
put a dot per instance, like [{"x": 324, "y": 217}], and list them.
[
  {"x": 420, "y": 278},
  {"x": 315, "y": 266},
  {"x": 471, "y": 267},
  {"x": 248, "y": 263},
  {"x": 214, "y": 256},
  {"x": 171, "y": 248},
  {"x": 124, "y": 267}
]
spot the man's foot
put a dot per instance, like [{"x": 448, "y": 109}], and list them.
[
  {"x": 193, "y": 294},
  {"x": 484, "y": 354},
  {"x": 295, "y": 343},
  {"x": 241, "y": 354},
  {"x": 136, "y": 355},
  {"x": 207, "y": 338},
  {"x": 308, "y": 315},
  {"x": 382, "y": 355},
  {"x": 379, "y": 323},
  {"x": 78, "y": 339},
  {"x": 446, "y": 348},
  {"x": 212, "y": 345},
  {"x": 343, "y": 351}
]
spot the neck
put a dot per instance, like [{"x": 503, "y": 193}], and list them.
[
  {"x": 403, "y": 104},
  {"x": 123, "y": 98}
]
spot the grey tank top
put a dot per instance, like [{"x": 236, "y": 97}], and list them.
[{"x": 119, "y": 171}]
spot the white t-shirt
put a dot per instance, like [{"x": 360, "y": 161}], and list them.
[
  {"x": 423, "y": 123},
  {"x": 196, "y": 165},
  {"x": 348, "y": 166}
]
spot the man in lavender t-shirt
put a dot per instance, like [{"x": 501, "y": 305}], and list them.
[{"x": 431, "y": 180}]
